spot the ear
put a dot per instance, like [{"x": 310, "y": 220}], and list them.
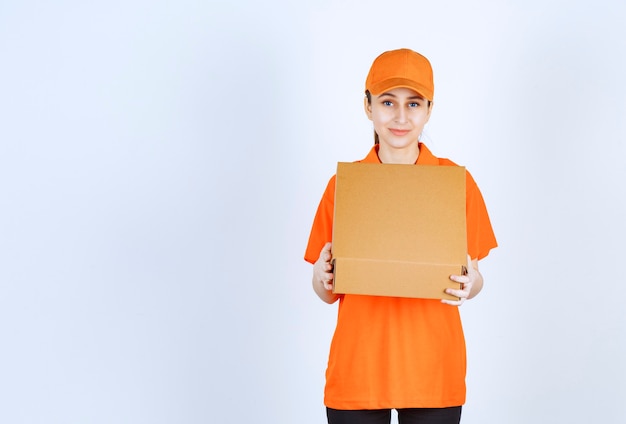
[
  {"x": 430, "y": 109},
  {"x": 368, "y": 108}
]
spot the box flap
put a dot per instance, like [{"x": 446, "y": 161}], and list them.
[{"x": 395, "y": 278}]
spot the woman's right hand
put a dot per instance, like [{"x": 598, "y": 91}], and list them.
[
  {"x": 323, "y": 276},
  {"x": 323, "y": 269}
]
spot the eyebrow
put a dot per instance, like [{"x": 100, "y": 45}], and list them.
[{"x": 395, "y": 97}]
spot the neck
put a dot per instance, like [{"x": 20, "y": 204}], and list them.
[{"x": 407, "y": 155}]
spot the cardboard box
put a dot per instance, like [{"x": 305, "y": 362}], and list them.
[{"x": 399, "y": 230}]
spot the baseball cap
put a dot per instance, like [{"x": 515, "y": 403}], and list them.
[{"x": 401, "y": 68}]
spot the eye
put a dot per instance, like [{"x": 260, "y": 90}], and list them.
[
  {"x": 387, "y": 103},
  {"x": 414, "y": 104}
]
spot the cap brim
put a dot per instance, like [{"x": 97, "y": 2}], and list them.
[{"x": 392, "y": 83}]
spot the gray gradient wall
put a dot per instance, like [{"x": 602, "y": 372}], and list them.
[{"x": 161, "y": 162}]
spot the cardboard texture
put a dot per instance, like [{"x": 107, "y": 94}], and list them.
[{"x": 399, "y": 230}]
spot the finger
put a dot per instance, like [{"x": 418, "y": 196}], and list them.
[
  {"x": 463, "y": 291},
  {"x": 453, "y": 302},
  {"x": 463, "y": 279},
  {"x": 461, "y": 294},
  {"x": 326, "y": 254},
  {"x": 328, "y": 284}
]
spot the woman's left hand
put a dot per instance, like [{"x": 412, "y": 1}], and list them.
[{"x": 471, "y": 284}]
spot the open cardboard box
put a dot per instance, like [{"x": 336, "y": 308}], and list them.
[{"x": 399, "y": 230}]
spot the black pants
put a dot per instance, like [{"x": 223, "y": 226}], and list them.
[{"x": 405, "y": 416}]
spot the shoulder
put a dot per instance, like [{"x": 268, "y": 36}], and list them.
[
  {"x": 471, "y": 183},
  {"x": 330, "y": 187},
  {"x": 447, "y": 162}
]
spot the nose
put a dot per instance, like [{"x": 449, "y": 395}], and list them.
[{"x": 400, "y": 115}]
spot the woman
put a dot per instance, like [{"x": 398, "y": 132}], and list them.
[{"x": 390, "y": 352}]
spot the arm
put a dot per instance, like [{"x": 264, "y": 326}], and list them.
[
  {"x": 323, "y": 276},
  {"x": 472, "y": 284}
]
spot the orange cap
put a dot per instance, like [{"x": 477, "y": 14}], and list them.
[{"x": 401, "y": 68}]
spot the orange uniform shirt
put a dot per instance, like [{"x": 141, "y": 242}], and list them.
[{"x": 391, "y": 352}]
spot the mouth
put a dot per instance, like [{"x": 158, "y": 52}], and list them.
[{"x": 397, "y": 132}]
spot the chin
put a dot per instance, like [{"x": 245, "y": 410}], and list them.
[{"x": 401, "y": 144}]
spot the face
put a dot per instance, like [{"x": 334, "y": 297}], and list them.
[{"x": 399, "y": 116}]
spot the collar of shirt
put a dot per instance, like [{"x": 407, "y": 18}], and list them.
[{"x": 425, "y": 157}]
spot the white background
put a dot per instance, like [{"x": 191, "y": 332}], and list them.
[{"x": 161, "y": 162}]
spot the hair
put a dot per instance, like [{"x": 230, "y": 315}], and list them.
[{"x": 369, "y": 101}]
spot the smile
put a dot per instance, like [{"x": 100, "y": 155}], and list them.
[{"x": 399, "y": 132}]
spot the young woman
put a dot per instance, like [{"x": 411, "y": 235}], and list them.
[{"x": 390, "y": 352}]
